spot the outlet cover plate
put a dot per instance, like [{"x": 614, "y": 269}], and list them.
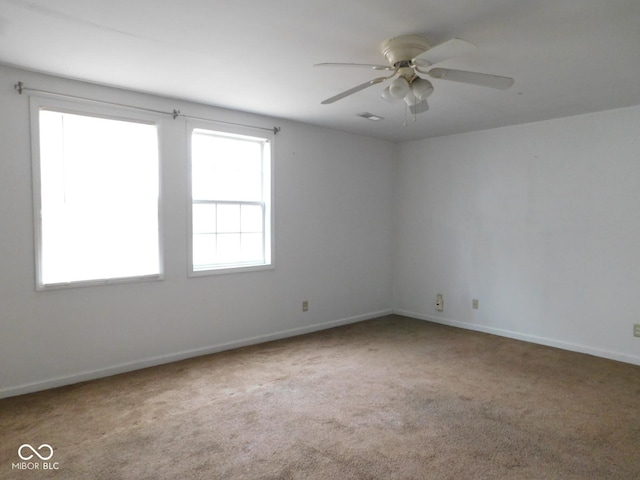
[{"x": 439, "y": 302}]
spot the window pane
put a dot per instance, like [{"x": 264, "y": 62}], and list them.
[
  {"x": 99, "y": 198},
  {"x": 229, "y": 248},
  {"x": 226, "y": 168},
  {"x": 228, "y": 218},
  {"x": 204, "y": 218},
  {"x": 204, "y": 249},
  {"x": 251, "y": 218},
  {"x": 252, "y": 247}
]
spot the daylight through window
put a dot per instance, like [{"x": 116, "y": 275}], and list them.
[
  {"x": 231, "y": 211},
  {"x": 97, "y": 191}
]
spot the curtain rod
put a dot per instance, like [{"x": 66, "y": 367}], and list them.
[{"x": 20, "y": 87}]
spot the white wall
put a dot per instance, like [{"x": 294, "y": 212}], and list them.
[
  {"x": 540, "y": 222},
  {"x": 333, "y": 240}
]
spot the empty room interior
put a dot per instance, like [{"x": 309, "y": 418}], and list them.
[{"x": 317, "y": 240}]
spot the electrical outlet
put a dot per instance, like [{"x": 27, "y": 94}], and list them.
[
  {"x": 439, "y": 302},
  {"x": 636, "y": 330},
  {"x": 474, "y": 303},
  {"x": 305, "y": 306}
]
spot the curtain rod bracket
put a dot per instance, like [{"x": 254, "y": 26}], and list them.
[
  {"x": 176, "y": 113},
  {"x": 276, "y": 130},
  {"x": 19, "y": 87}
]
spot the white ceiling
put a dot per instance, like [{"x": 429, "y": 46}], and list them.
[{"x": 567, "y": 56}]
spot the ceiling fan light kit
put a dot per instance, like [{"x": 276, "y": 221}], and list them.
[
  {"x": 421, "y": 88},
  {"x": 410, "y": 99},
  {"x": 386, "y": 95},
  {"x": 410, "y": 55},
  {"x": 399, "y": 88}
]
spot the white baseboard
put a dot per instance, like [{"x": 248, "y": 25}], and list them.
[
  {"x": 174, "y": 357},
  {"x": 550, "y": 342}
]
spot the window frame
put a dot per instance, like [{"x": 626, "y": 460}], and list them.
[
  {"x": 267, "y": 200},
  {"x": 87, "y": 108}
]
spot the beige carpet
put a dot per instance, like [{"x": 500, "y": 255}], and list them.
[{"x": 391, "y": 398}]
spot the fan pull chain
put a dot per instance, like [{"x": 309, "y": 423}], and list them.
[{"x": 415, "y": 114}]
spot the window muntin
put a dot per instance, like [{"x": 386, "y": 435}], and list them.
[
  {"x": 96, "y": 188},
  {"x": 231, "y": 201}
]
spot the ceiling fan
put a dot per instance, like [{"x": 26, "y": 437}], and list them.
[{"x": 410, "y": 55}]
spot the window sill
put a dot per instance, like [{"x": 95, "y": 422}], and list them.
[
  {"x": 101, "y": 282},
  {"x": 224, "y": 270}
]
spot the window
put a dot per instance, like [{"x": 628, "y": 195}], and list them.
[
  {"x": 231, "y": 201},
  {"x": 96, "y": 189}
]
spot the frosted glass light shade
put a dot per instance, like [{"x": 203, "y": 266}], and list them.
[
  {"x": 421, "y": 88},
  {"x": 410, "y": 99},
  {"x": 386, "y": 95},
  {"x": 399, "y": 88}
]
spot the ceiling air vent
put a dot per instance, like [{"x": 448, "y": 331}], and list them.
[{"x": 371, "y": 116}]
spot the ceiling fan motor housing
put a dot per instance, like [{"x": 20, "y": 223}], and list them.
[{"x": 404, "y": 48}]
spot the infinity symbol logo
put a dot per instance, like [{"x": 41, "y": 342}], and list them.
[{"x": 35, "y": 452}]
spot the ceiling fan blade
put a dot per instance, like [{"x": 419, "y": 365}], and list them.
[
  {"x": 356, "y": 65},
  {"x": 473, "y": 78},
  {"x": 419, "y": 107},
  {"x": 353, "y": 90},
  {"x": 450, "y": 48}
]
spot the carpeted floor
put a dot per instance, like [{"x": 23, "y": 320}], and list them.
[{"x": 391, "y": 398}]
